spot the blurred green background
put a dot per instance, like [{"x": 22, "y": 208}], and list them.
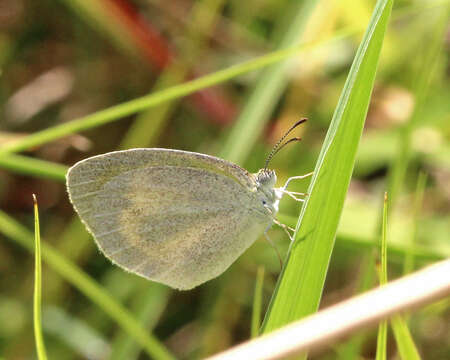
[{"x": 60, "y": 60}]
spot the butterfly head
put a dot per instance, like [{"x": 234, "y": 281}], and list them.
[
  {"x": 265, "y": 184},
  {"x": 266, "y": 178}
]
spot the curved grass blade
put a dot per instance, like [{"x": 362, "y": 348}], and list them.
[
  {"x": 37, "y": 316},
  {"x": 29, "y": 166},
  {"x": 300, "y": 285}
]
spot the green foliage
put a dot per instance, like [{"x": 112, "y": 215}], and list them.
[{"x": 268, "y": 63}]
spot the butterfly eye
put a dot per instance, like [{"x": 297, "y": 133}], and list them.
[{"x": 264, "y": 202}]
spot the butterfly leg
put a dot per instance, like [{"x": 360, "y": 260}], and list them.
[
  {"x": 286, "y": 228},
  {"x": 294, "y": 194},
  {"x": 273, "y": 245},
  {"x": 296, "y": 178},
  {"x": 283, "y": 226}
]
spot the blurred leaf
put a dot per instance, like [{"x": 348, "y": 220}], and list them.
[
  {"x": 421, "y": 84},
  {"x": 103, "y": 17},
  {"x": 147, "y": 127},
  {"x": 82, "y": 338},
  {"x": 408, "y": 264},
  {"x": 268, "y": 89}
]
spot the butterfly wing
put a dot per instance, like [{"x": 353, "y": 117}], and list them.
[{"x": 174, "y": 217}]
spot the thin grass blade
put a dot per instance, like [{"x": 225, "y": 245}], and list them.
[
  {"x": 382, "y": 327},
  {"x": 37, "y": 314}
]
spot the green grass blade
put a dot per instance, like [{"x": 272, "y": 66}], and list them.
[
  {"x": 300, "y": 285},
  {"x": 403, "y": 338},
  {"x": 35, "y": 167},
  {"x": 148, "y": 306},
  {"x": 405, "y": 343},
  {"x": 382, "y": 327},
  {"x": 408, "y": 264},
  {"x": 68, "y": 270},
  {"x": 381, "y": 341},
  {"x": 351, "y": 350},
  {"x": 37, "y": 316},
  {"x": 383, "y": 270},
  {"x": 257, "y": 303}
]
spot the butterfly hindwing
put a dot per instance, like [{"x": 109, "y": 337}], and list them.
[{"x": 176, "y": 222}]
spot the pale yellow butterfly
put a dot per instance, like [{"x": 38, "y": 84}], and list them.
[{"x": 176, "y": 217}]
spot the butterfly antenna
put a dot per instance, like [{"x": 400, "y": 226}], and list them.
[
  {"x": 278, "y": 146},
  {"x": 284, "y": 144}
]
